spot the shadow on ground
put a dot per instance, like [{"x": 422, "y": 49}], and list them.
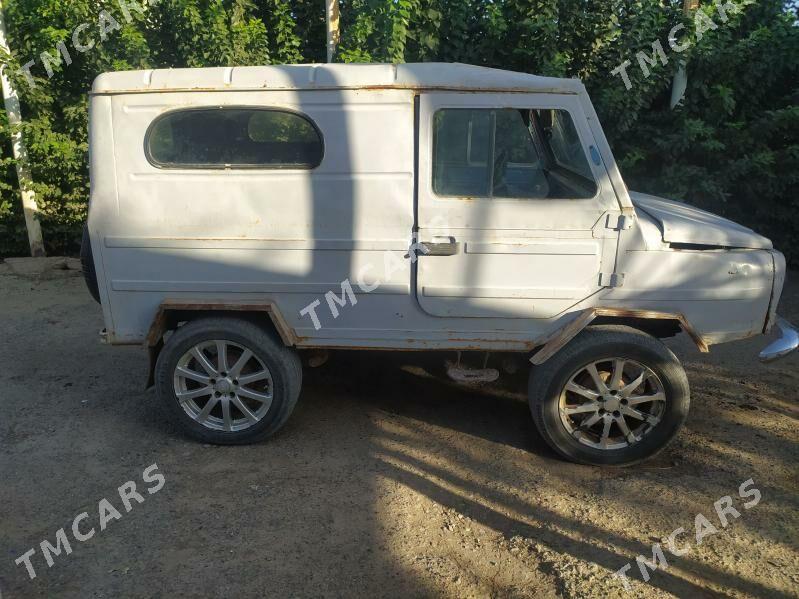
[{"x": 385, "y": 482}]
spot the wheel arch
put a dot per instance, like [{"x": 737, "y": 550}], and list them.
[
  {"x": 657, "y": 324},
  {"x": 171, "y": 313}
]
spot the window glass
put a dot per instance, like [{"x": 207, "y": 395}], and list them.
[
  {"x": 234, "y": 137},
  {"x": 461, "y": 152},
  {"x": 564, "y": 141},
  {"x": 509, "y": 153}
]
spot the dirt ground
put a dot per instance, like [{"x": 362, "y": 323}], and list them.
[{"x": 384, "y": 482}]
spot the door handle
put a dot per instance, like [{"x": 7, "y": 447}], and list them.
[{"x": 440, "y": 246}]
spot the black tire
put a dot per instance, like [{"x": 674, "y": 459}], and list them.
[
  {"x": 548, "y": 381},
  {"x": 87, "y": 265},
  {"x": 283, "y": 363}
]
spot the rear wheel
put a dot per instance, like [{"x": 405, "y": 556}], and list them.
[
  {"x": 227, "y": 380},
  {"x": 613, "y": 396}
]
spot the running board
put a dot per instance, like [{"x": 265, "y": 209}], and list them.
[{"x": 471, "y": 375}]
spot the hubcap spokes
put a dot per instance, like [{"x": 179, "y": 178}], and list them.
[
  {"x": 223, "y": 385},
  {"x": 612, "y": 404}
]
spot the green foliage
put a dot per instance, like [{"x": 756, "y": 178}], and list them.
[{"x": 732, "y": 146}]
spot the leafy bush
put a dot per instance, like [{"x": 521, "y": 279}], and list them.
[{"x": 732, "y": 146}]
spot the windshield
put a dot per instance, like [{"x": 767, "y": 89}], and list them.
[{"x": 562, "y": 141}]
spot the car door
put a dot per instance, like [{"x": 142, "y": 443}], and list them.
[{"x": 514, "y": 206}]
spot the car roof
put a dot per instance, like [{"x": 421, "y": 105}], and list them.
[{"x": 429, "y": 75}]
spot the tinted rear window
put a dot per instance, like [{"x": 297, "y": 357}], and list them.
[{"x": 234, "y": 138}]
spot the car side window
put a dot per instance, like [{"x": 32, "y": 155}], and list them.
[
  {"x": 509, "y": 153},
  {"x": 234, "y": 138}
]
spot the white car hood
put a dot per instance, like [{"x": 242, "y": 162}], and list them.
[{"x": 681, "y": 223}]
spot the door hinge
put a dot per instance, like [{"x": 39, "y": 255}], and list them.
[
  {"x": 619, "y": 222},
  {"x": 611, "y": 279}
]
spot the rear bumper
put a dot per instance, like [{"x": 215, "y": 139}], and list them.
[{"x": 788, "y": 342}]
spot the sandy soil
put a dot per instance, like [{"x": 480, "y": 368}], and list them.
[{"x": 383, "y": 483}]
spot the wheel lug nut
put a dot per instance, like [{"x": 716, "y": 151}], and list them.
[{"x": 617, "y": 413}]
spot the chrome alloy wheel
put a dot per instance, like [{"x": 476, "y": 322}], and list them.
[
  {"x": 223, "y": 385},
  {"x": 612, "y": 403}
]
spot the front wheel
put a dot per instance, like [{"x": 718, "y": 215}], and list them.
[
  {"x": 613, "y": 396},
  {"x": 227, "y": 380}
]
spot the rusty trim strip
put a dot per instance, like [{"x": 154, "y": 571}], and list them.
[
  {"x": 562, "y": 336},
  {"x": 158, "y": 326},
  {"x": 377, "y": 87}
]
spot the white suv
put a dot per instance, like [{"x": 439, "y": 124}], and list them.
[{"x": 241, "y": 215}]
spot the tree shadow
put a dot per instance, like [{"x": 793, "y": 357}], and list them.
[{"x": 478, "y": 486}]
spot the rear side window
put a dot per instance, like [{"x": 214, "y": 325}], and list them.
[
  {"x": 509, "y": 153},
  {"x": 234, "y": 138}
]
